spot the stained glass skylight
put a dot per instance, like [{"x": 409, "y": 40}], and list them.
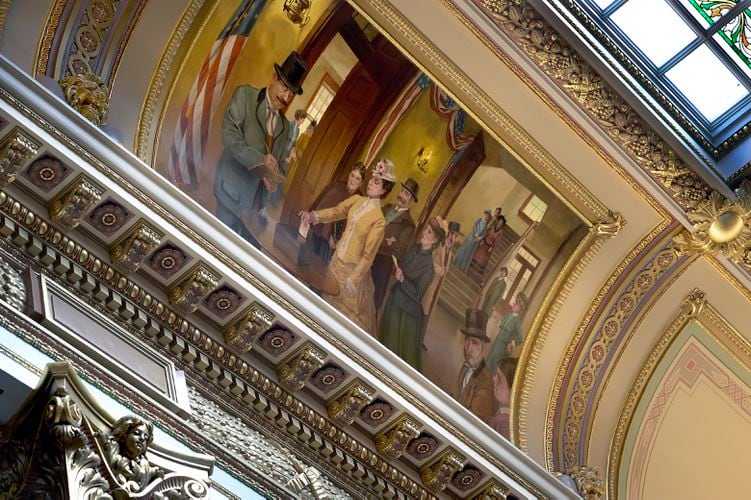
[{"x": 694, "y": 54}]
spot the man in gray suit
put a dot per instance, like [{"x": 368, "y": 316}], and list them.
[{"x": 255, "y": 133}]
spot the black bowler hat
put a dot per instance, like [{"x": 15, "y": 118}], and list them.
[
  {"x": 454, "y": 227},
  {"x": 292, "y": 72},
  {"x": 475, "y": 322},
  {"x": 412, "y": 186}
]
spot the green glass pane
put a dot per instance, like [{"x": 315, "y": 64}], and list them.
[
  {"x": 737, "y": 34},
  {"x": 709, "y": 11}
]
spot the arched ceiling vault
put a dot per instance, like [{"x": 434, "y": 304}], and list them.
[{"x": 593, "y": 346}]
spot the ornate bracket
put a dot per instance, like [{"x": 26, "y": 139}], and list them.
[
  {"x": 346, "y": 407},
  {"x": 293, "y": 372},
  {"x": 243, "y": 333},
  {"x": 188, "y": 293},
  {"x": 70, "y": 207},
  {"x": 610, "y": 226},
  {"x": 437, "y": 475},
  {"x": 15, "y": 150},
  {"x": 694, "y": 303},
  {"x": 588, "y": 482},
  {"x": 721, "y": 227},
  {"x": 493, "y": 491},
  {"x": 131, "y": 251},
  {"x": 393, "y": 441},
  {"x": 60, "y": 444}
]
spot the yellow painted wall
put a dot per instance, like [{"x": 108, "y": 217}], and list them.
[{"x": 419, "y": 127}]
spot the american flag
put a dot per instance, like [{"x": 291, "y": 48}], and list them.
[
  {"x": 192, "y": 131},
  {"x": 403, "y": 103}
]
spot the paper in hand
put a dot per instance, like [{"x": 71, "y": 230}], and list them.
[
  {"x": 262, "y": 170},
  {"x": 396, "y": 264}
]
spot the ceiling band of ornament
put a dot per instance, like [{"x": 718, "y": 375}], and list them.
[
  {"x": 42, "y": 53},
  {"x": 524, "y": 26},
  {"x": 542, "y": 323},
  {"x": 555, "y": 399},
  {"x": 697, "y": 308},
  {"x": 596, "y": 354},
  {"x": 198, "y": 353},
  {"x": 144, "y": 146}
]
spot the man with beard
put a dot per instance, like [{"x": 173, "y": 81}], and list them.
[
  {"x": 400, "y": 227},
  {"x": 255, "y": 134},
  {"x": 475, "y": 385}
]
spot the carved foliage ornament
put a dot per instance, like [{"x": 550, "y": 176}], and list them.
[
  {"x": 346, "y": 407},
  {"x": 57, "y": 446},
  {"x": 15, "y": 150},
  {"x": 70, "y": 207},
  {"x": 394, "y": 441},
  {"x": 187, "y": 295},
  {"x": 437, "y": 475},
  {"x": 87, "y": 94},
  {"x": 588, "y": 482},
  {"x": 720, "y": 226},
  {"x": 243, "y": 333},
  {"x": 298, "y": 368},
  {"x": 133, "y": 249}
]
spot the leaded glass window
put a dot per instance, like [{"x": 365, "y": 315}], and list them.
[{"x": 696, "y": 53}]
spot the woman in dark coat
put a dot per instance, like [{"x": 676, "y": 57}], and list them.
[{"x": 403, "y": 315}]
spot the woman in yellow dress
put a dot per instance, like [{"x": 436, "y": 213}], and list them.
[{"x": 357, "y": 248}]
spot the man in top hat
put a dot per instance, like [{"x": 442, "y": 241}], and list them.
[
  {"x": 400, "y": 227},
  {"x": 255, "y": 134},
  {"x": 474, "y": 388},
  {"x": 441, "y": 259},
  {"x": 509, "y": 332}
]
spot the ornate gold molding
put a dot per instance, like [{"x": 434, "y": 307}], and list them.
[
  {"x": 695, "y": 308},
  {"x": 144, "y": 127},
  {"x": 4, "y": 10},
  {"x": 42, "y": 54},
  {"x": 87, "y": 94},
  {"x": 345, "y": 408},
  {"x": 588, "y": 481},
  {"x": 524, "y": 26},
  {"x": 555, "y": 397}
]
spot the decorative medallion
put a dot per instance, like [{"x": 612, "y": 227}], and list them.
[
  {"x": 278, "y": 341},
  {"x": 467, "y": 478},
  {"x": 437, "y": 475},
  {"x": 109, "y": 217},
  {"x": 423, "y": 447},
  {"x": 243, "y": 333},
  {"x": 69, "y": 208},
  {"x": 189, "y": 292},
  {"x": 721, "y": 226},
  {"x": 295, "y": 371},
  {"x": 223, "y": 301},
  {"x": 328, "y": 378},
  {"x": 15, "y": 150},
  {"x": 168, "y": 260},
  {"x": 392, "y": 442},
  {"x": 376, "y": 413},
  {"x": 346, "y": 407},
  {"x": 46, "y": 173}
]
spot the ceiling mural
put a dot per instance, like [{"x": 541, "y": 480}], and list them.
[{"x": 420, "y": 249}]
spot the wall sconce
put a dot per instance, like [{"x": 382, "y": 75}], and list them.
[
  {"x": 422, "y": 159},
  {"x": 297, "y": 11}
]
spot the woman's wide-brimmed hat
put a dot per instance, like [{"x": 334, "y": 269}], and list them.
[{"x": 384, "y": 170}]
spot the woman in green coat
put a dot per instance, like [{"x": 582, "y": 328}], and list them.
[{"x": 403, "y": 316}]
